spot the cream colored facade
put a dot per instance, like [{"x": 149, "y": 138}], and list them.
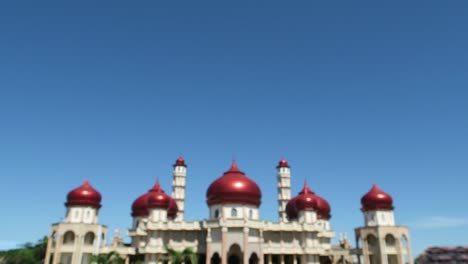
[{"x": 231, "y": 234}]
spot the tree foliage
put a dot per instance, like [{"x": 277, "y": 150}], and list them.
[
  {"x": 109, "y": 258},
  {"x": 29, "y": 253},
  {"x": 179, "y": 257}
]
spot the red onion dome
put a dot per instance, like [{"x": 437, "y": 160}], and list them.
[
  {"x": 157, "y": 198},
  {"x": 140, "y": 206},
  {"x": 308, "y": 200},
  {"x": 376, "y": 199},
  {"x": 173, "y": 209},
  {"x": 323, "y": 208},
  {"x": 291, "y": 210},
  {"x": 283, "y": 164},
  {"x": 180, "y": 162},
  {"x": 234, "y": 187},
  {"x": 85, "y": 195}
]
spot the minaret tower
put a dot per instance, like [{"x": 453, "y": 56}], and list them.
[
  {"x": 79, "y": 235},
  {"x": 178, "y": 187},
  {"x": 382, "y": 240},
  {"x": 284, "y": 188}
]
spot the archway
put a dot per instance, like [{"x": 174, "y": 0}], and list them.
[
  {"x": 253, "y": 259},
  {"x": 89, "y": 238},
  {"x": 235, "y": 255},
  {"x": 69, "y": 238},
  {"x": 215, "y": 259}
]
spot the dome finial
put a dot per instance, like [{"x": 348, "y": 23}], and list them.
[
  {"x": 157, "y": 186},
  {"x": 283, "y": 163},
  {"x": 180, "y": 162},
  {"x": 234, "y": 165}
]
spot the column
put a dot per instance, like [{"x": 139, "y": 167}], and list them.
[{"x": 224, "y": 248}]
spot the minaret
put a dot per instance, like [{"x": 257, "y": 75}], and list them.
[
  {"x": 284, "y": 188},
  {"x": 382, "y": 240},
  {"x": 79, "y": 235},
  {"x": 178, "y": 187}
]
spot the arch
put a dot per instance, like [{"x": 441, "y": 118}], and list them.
[
  {"x": 234, "y": 254},
  {"x": 358, "y": 242},
  {"x": 215, "y": 259},
  {"x": 371, "y": 241},
  {"x": 390, "y": 240},
  {"x": 253, "y": 258},
  {"x": 404, "y": 242},
  {"x": 69, "y": 238},
  {"x": 89, "y": 238},
  {"x": 53, "y": 238},
  {"x": 216, "y": 213},
  {"x": 250, "y": 214},
  {"x": 233, "y": 212}
]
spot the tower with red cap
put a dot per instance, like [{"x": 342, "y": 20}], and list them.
[
  {"x": 377, "y": 207},
  {"x": 179, "y": 176},
  {"x": 284, "y": 188},
  {"x": 78, "y": 235},
  {"x": 381, "y": 240}
]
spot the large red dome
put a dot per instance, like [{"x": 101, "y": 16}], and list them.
[
  {"x": 376, "y": 199},
  {"x": 234, "y": 187},
  {"x": 308, "y": 200},
  {"x": 85, "y": 195}
]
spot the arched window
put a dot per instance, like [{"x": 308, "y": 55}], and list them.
[
  {"x": 89, "y": 238},
  {"x": 216, "y": 213},
  {"x": 68, "y": 238},
  {"x": 53, "y": 238},
  {"x": 389, "y": 240},
  {"x": 250, "y": 214},
  {"x": 404, "y": 242},
  {"x": 233, "y": 212},
  {"x": 371, "y": 241}
]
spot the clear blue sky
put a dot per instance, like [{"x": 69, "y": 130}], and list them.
[{"x": 350, "y": 92}]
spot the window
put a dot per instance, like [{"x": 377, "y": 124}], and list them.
[
  {"x": 250, "y": 214},
  {"x": 216, "y": 213},
  {"x": 68, "y": 238},
  {"x": 233, "y": 212},
  {"x": 89, "y": 238}
]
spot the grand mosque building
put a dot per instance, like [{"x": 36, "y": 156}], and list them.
[{"x": 233, "y": 232}]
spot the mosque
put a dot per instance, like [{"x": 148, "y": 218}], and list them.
[{"x": 233, "y": 232}]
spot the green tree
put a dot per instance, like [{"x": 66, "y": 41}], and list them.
[
  {"x": 109, "y": 258},
  {"x": 29, "y": 253},
  {"x": 179, "y": 257}
]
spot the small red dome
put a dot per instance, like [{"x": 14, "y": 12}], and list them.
[
  {"x": 376, "y": 199},
  {"x": 173, "y": 209},
  {"x": 157, "y": 198},
  {"x": 142, "y": 203},
  {"x": 85, "y": 195},
  {"x": 308, "y": 200},
  {"x": 291, "y": 210},
  {"x": 180, "y": 162},
  {"x": 323, "y": 208},
  {"x": 140, "y": 206},
  {"x": 234, "y": 187},
  {"x": 283, "y": 164}
]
